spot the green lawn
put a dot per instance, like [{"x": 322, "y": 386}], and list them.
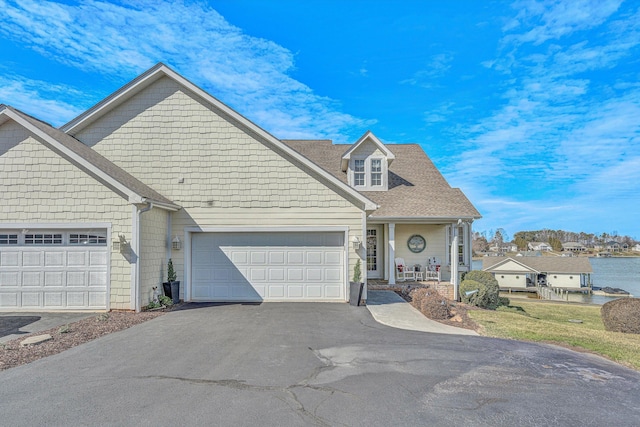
[{"x": 549, "y": 322}]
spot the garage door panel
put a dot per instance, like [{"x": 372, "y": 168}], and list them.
[
  {"x": 333, "y": 258},
  {"x": 98, "y": 258},
  {"x": 9, "y": 299},
  {"x": 9, "y": 279},
  {"x": 295, "y": 274},
  {"x": 240, "y": 257},
  {"x": 268, "y": 266},
  {"x": 76, "y": 299},
  {"x": 332, "y": 275},
  {"x": 54, "y": 259},
  {"x": 97, "y": 278},
  {"x": 32, "y": 259},
  {"x": 295, "y": 257},
  {"x": 76, "y": 259},
  {"x": 276, "y": 275},
  {"x": 76, "y": 278},
  {"x": 97, "y": 299},
  {"x": 314, "y": 257},
  {"x": 9, "y": 259},
  {"x": 53, "y": 278},
  {"x": 32, "y": 278},
  {"x": 295, "y": 291},
  {"x": 30, "y": 299},
  {"x": 332, "y": 291}
]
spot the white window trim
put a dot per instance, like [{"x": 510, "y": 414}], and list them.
[{"x": 368, "y": 173}]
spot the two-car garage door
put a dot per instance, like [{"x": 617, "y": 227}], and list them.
[{"x": 268, "y": 266}]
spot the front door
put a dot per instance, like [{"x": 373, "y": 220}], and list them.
[{"x": 374, "y": 252}]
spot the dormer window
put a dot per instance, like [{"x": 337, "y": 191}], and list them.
[
  {"x": 376, "y": 172},
  {"x": 367, "y": 164},
  {"x": 359, "y": 173}
]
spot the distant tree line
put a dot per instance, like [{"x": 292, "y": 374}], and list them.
[{"x": 482, "y": 241}]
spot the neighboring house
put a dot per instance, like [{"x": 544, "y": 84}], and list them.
[
  {"x": 573, "y": 247},
  {"x": 636, "y": 247},
  {"x": 504, "y": 248},
  {"x": 90, "y": 213},
  {"x": 523, "y": 272},
  {"x": 539, "y": 246},
  {"x": 613, "y": 246}
]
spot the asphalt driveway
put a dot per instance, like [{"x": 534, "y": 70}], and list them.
[{"x": 313, "y": 364}]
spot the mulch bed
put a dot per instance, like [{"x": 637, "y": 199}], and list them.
[
  {"x": 65, "y": 337},
  {"x": 457, "y": 312}
]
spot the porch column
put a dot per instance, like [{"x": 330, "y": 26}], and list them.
[
  {"x": 391, "y": 250},
  {"x": 454, "y": 260}
]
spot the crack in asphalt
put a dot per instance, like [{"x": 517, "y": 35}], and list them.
[{"x": 293, "y": 402}]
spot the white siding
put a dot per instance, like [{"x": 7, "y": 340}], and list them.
[{"x": 435, "y": 235}]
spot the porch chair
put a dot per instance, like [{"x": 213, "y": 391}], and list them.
[{"x": 403, "y": 271}]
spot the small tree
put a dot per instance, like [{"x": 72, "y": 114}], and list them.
[
  {"x": 357, "y": 274},
  {"x": 171, "y": 274}
]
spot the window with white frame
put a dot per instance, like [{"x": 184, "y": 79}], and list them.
[
  {"x": 359, "y": 172},
  {"x": 460, "y": 251},
  {"x": 87, "y": 239},
  {"x": 376, "y": 172},
  {"x": 43, "y": 239},
  {"x": 369, "y": 174},
  {"x": 8, "y": 239}
]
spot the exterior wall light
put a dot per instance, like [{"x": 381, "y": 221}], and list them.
[
  {"x": 355, "y": 241},
  {"x": 176, "y": 244}
]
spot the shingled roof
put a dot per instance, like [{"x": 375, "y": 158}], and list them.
[
  {"x": 89, "y": 160},
  {"x": 416, "y": 188}
]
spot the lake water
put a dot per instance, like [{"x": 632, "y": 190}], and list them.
[{"x": 615, "y": 272}]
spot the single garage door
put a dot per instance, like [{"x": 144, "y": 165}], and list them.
[
  {"x": 57, "y": 270},
  {"x": 282, "y": 266}
]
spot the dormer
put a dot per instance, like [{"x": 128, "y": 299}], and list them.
[{"x": 367, "y": 164}]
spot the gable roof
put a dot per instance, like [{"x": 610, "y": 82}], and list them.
[
  {"x": 544, "y": 264},
  {"x": 417, "y": 190},
  {"x": 160, "y": 70},
  {"x": 88, "y": 160},
  {"x": 368, "y": 136}
]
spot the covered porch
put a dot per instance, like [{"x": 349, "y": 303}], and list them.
[{"x": 426, "y": 247}]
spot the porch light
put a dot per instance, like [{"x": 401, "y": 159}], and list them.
[
  {"x": 176, "y": 244},
  {"x": 355, "y": 241}
]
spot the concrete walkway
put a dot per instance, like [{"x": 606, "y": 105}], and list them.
[{"x": 390, "y": 309}]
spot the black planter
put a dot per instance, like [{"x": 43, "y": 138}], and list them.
[
  {"x": 166, "y": 287},
  {"x": 355, "y": 293},
  {"x": 175, "y": 291}
]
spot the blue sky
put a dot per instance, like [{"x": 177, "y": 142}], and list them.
[{"x": 531, "y": 107}]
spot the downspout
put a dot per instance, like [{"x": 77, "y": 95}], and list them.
[{"x": 136, "y": 290}]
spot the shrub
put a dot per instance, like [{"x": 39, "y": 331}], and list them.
[
  {"x": 503, "y": 301},
  {"x": 431, "y": 304},
  {"x": 487, "y": 290},
  {"x": 622, "y": 315}
]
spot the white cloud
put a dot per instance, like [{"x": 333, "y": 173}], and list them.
[
  {"x": 123, "y": 39},
  {"x": 38, "y": 98},
  {"x": 563, "y": 146}
]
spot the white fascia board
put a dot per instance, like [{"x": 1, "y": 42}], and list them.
[
  {"x": 162, "y": 70},
  {"x": 417, "y": 220},
  {"x": 367, "y": 135},
  {"x": 70, "y": 154}
]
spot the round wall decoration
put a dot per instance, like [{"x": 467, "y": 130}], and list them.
[{"x": 416, "y": 243}]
